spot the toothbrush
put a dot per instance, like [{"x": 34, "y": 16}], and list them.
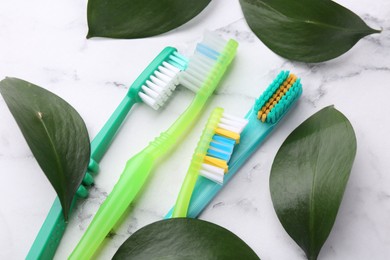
[
  {"x": 204, "y": 71},
  {"x": 211, "y": 156},
  {"x": 153, "y": 87},
  {"x": 262, "y": 118}
]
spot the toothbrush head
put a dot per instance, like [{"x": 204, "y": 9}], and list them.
[
  {"x": 277, "y": 99},
  {"x": 157, "y": 82},
  {"x": 208, "y": 64},
  {"x": 216, "y": 145}
]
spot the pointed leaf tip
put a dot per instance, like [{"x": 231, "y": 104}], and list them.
[
  {"x": 305, "y": 30},
  {"x": 309, "y": 175},
  {"x": 55, "y": 133}
]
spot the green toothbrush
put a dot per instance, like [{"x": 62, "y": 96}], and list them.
[
  {"x": 205, "y": 70},
  {"x": 153, "y": 87}
]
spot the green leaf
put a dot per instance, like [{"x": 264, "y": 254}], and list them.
[
  {"x": 129, "y": 19},
  {"x": 184, "y": 238},
  {"x": 309, "y": 175},
  {"x": 305, "y": 30},
  {"x": 55, "y": 133}
]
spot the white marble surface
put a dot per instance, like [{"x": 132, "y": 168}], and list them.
[{"x": 44, "y": 42}]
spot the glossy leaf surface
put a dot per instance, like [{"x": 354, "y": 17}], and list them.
[
  {"x": 184, "y": 238},
  {"x": 309, "y": 175},
  {"x": 305, "y": 30},
  {"x": 55, "y": 133},
  {"x": 128, "y": 19}
]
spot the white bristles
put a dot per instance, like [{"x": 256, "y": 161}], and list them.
[
  {"x": 188, "y": 85},
  {"x": 151, "y": 93},
  {"x": 205, "y": 59},
  {"x": 202, "y": 62},
  {"x": 164, "y": 80},
  {"x": 235, "y": 118},
  {"x": 171, "y": 67},
  {"x": 158, "y": 82},
  {"x": 149, "y": 101},
  {"x": 233, "y": 122},
  {"x": 215, "y": 41},
  {"x": 163, "y": 77},
  {"x": 221, "y": 147},
  {"x": 157, "y": 89},
  {"x": 196, "y": 74},
  {"x": 212, "y": 173},
  {"x": 160, "y": 85},
  {"x": 230, "y": 127},
  {"x": 166, "y": 71},
  {"x": 194, "y": 80}
]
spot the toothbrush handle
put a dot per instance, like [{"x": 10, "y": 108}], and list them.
[
  {"x": 129, "y": 184},
  {"x": 50, "y": 234},
  {"x": 52, "y": 230},
  {"x": 131, "y": 181},
  {"x": 183, "y": 199}
]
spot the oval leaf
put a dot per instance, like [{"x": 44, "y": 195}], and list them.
[
  {"x": 129, "y": 19},
  {"x": 55, "y": 133},
  {"x": 184, "y": 238},
  {"x": 309, "y": 175},
  {"x": 305, "y": 30}
]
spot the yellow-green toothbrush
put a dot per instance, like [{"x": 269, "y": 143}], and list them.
[
  {"x": 204, "y": 71},
  {"x": 211, "y": 156}
]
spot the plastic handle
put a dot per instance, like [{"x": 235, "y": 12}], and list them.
[
  {"x": 130, "y": 183},
  {"x": 50, "y": 235},
  {"x": 184, "y": 197}
]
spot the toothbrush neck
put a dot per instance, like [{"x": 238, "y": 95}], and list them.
[
  {"x": 133, "y": 94},
  {"x": 167, "y": 140}
]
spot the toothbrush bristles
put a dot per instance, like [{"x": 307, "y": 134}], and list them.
[
  {"x": 227, "y": 134},
  {"x": 203, "y": 61},
  {"x": 278, "y": 97},
  {"x": 157, "y": 89}
]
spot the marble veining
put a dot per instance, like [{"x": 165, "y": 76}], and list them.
[
  {"x": 240, "y": 35},
  {"x": 47, "y": 46}
]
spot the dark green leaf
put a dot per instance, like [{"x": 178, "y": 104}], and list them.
[
  {"x": 129, "y": 19},
  {"x": 184, "y": 238},
  {"x": 305, "y": 30},
  {"x": 309, "y": 175},
  {"x": 55, "y": 133}
]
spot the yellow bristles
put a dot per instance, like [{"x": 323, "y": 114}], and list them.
[
  {"x": 228, "y": 134},
  {"x": 216, "y": 162}
]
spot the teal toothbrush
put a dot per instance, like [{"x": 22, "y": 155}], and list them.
[
  {"x": 263, "y": 117},
  {"x": 153, "y": 87}
]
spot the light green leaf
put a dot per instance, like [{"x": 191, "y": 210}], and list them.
[
  {"x": 309, "y": 175},
  {"x": 55, "y": 133},
  {"x": 305, "y": 30},
  {"x": 184, "y": 238},
  {"x": 128, "y": 19}
]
